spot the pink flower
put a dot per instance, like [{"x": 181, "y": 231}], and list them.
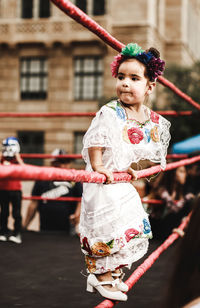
[
  {"x": 131, "y": 233},
  {"x": 115, "y": 64},
  {"x": 135, "y": 135},
  {"x": 154, "y": 117}
]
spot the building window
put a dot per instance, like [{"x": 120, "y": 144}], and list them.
[
  {"x": 31, "y": 142},
  {"x": 33, "y": 78},
  {"x": 35, "y": 8},
  {"x": 98, "y": 7},
  {"x": 91, "y": 7},
  {"x": 44, "y": 9},
  {"x": 27, "y": 8},
  {"x": 88, "y": 78},
  {"x": 82, "y": 5}
]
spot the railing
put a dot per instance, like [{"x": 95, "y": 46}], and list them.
[{"x": 13, "y": 31}]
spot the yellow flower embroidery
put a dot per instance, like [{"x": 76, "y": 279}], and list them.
[
  {"x": 91, "y": 264},
  {"x": 100, "y": 249},
  {"x": 125, "y": 134},
  {"x": 155, "y": 134}
]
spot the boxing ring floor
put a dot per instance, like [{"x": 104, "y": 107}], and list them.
[{"x": 44, "y": 272}]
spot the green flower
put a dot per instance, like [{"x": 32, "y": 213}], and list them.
[{"x": 131, "y": 50}]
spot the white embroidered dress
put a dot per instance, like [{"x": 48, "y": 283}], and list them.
[{"x": 114, "y": 227}]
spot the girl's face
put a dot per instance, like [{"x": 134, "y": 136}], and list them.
[
  {"x": 181, "y": 175},
  {"x": 132, "y": 86}
]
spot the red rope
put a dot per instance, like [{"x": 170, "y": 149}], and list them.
[
  {"x": 29, "y": 172},
  {"x": 45, "y": 114},
  {"x": 77, "y": 199},
  {"x": 178, "y": 92},
  {"x": 37, "y": 155},
  {"x": 79, "y": 156},
  {"x": 139, "y": 272},
  {"x": 176, "y": 156},
  {"x": 79, "y": 114},
  {"x": 75, "y": 13}
]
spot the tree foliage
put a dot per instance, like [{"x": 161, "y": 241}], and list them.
[{"x": 186, "y": 79}]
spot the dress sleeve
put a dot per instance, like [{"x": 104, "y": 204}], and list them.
[
  {"x": 164, "y": 139},
  {"x": 97, "y": 134}
]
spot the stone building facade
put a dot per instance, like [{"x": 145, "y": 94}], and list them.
[{"x": 49, "y": 63}]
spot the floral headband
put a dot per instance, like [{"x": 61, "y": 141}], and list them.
[{"x": 155, "y": 66}]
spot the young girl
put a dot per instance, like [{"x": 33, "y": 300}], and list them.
[{"x": 114, "y": 228}]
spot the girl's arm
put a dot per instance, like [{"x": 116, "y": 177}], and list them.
[{"x": 95, "y": 154}]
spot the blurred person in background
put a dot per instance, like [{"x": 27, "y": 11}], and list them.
[
  {"x": 193, "y": 178},
  {"x": 10, "y": 192},
  {"x": 54, "y": 214},
  {"x": 169, "y": 187},
  {"x": 184, "y": 286}
]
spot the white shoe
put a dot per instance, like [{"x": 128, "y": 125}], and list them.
[
  {"x": 3, "y": 238},
  {"x": 15, "y": 239},
  {"x": 121, "y": 285},
  {"x": 93, "y": 283}
]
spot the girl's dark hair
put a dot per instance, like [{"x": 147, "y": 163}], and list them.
[
  {"x": 185, "y": 281},
  {"x": 154, "y": 52}
]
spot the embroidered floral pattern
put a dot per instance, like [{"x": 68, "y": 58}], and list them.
[
  {"x": 147, "y": 134},
  {"x": 131, "y": 233},
  {"x": 120, "y": 242},
  {"x": 154, "y": 117},
  {"x": 125, "y": 134},
  {"x": 112, "y": 105},
  {"x": 147, "y": 227},
  {"x": 101, "y": 249},
  {"x": 120, "y": 113},
  {"x": 85, "y": 245},
  {"x": 135, "y": 135},
  {"x": 90, "y": 264},
  {"x": 155, "y": 134}
]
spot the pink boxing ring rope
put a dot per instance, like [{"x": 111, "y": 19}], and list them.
[
  {"x": 78, "y": 199},
  {"x": 171, "y": 113},
  {"x": 29, "y": 172},
  {"x": 75, "y": 13},
  {"x": 79, "y": 156}
]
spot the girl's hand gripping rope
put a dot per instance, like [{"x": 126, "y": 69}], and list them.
[{"x": 133, "y": 173}]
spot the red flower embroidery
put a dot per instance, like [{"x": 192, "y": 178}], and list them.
[
  {"x": 86, "y": 246},
  {"x": 135, "y": 135},
  {"x": 154, "y": 117},
  {"x": 131, "y": 233}
]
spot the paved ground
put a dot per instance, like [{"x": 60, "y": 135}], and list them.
[{"x": 44, "y": 272}]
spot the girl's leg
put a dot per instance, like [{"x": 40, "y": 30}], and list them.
[{"x": 107, "y": 277}]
